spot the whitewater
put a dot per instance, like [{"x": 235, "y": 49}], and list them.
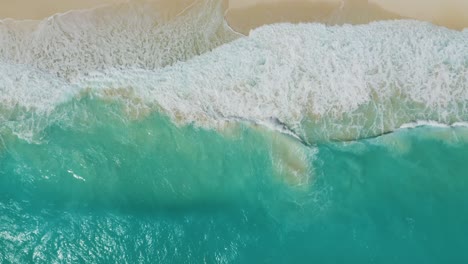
[{"x": 127, "y": 135}]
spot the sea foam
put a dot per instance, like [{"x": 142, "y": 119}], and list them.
[
  {"x": 318, "y": 82},
  {"x": 42, "y": 61},
  {"x": 311, "y": 81},
  {"x": 134, "y": 34}
]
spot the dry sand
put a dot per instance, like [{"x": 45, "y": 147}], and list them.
[{"x": 244, "y": 15}]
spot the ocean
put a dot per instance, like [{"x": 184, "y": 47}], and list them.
[{"x": 127, "y": 137}]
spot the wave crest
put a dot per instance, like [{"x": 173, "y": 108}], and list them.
[
  {"x": 135, "y": 34},
  {"x": 318, "y": 82},
  {"x": 322, "y": 83}
]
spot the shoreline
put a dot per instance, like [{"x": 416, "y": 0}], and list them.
[{"x": 244, "y": 15}]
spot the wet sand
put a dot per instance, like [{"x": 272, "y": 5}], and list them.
[
  {"x": 448, "y": 13},
  {"x": 243, "y": 19},
  {"x": 244, "y": 15},
  {"x": 40, "y": 9},
  {"x": 249, "y": 13}
]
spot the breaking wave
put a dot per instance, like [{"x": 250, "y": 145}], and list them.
[{"x": 311, "y": 81}]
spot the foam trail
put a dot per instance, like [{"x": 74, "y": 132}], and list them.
[
  {"x": 41, "y": 61},
  {"x": 323, "y": 83},
  {"x": 320, "y": 82},
  {"x": 136, "y": 34}
]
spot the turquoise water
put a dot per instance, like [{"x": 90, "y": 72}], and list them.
[
  {"x": 112, "y": 190},
  {"x": 128, "y": 138}
]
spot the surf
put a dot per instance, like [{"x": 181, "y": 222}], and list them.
[{"x": 298, "y": 85}]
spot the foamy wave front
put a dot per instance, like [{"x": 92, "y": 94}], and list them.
[
  {"x": 135, "y": 34},
  {"x": 41, "y": 61},
  {"x": 311, "y": 81},
  {"x": 321, "y": 83}
]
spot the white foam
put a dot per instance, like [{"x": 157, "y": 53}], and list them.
[
  {"x": 421, "y": 123},
  {"x": 41, "y": 61},
  {"x": 460, "y": 124},
  {"x": 429, "y": 123},
  {"x": 319, "y": 82},
  {"x": 32, "y": 89},
  {"x": 129, "y": 35},
  {"x": 347, "y": 82},
  {"x": 402, "y": 143}
]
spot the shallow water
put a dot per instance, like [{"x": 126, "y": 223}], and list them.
[{"x": 148, "y": 191}]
